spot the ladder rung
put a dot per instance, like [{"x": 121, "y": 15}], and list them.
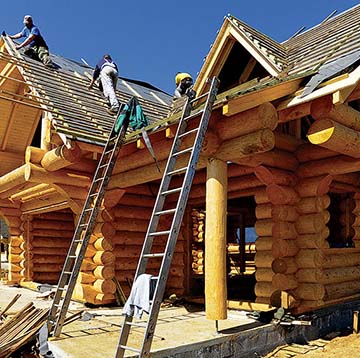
[
  {"x": 184, "y": 151},
  {"x": 191, "y": 116},
  {"x": 165, "y": 212},
  {"x": 171, "y": 191},
  {"x": 109, "y": 151},
  {"x": 135, "y": 324},
  {"x": 177, "y": 171},
  {"x": 72, "y": 256},
  {"x": 94, "y": 194},
  {"x": 154, "y": 255},
  {"x": 103, "y": 165},
  {"x": 127, "y": 348},
  {"x": 201, "y": 96},
  {"x": 188, "y": 132},
  {"x": 159, "y": 233},
  {"x": 68, "y": 272},
  {"x": 61, "y": 288},
  {"x": 98, "y": 179}
]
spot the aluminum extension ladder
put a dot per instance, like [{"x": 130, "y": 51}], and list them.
[
  {"x": 169, "y": 236},
  {"x": 83, "y": 231}
]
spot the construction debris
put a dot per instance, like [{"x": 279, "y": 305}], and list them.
[{"x": 21, "y": 328}]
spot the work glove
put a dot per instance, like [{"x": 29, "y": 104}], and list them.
[{"x": 3, "y": 33}]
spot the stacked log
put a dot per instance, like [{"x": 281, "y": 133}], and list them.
[
  {"x": 263, "y": 257},
  {"x": 125, "y": 225},
  {"x": 51, "y": 235},
  {"x": 11, "y": 214},
  {"x": 197, "y": 242}
]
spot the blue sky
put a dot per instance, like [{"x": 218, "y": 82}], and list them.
[{"x": 152, "y": 40}]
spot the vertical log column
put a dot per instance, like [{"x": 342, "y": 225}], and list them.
[{"x": 215, "y": 243}]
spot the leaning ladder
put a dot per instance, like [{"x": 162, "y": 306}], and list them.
[
  {"x": 84, "y": 230},
  {"x": 169, "y": 236}
]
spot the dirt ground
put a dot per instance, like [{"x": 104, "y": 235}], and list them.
[{"x": 338, "y": 347}]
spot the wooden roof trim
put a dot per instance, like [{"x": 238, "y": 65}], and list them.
[
  {"x": 255, "y": 98},
  {"x": 340, "y": 90},
  {"x": 211, "y": 57}
]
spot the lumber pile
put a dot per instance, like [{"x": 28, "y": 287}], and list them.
[
  {"x": 21, "y": 328},
  {"x": 198, "y": 236}
]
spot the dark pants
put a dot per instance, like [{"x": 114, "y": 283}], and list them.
[{"x": 39, "y": 53}]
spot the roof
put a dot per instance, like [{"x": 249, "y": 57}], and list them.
[
  {"x": 75, "y": 111},
  {"x": 300, "y": 56}
]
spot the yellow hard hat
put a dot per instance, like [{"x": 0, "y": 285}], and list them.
[{"x": 180, "y": 76}]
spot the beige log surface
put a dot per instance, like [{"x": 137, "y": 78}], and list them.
[
  {"x": 284, "y": 265},
  {"x": 104, "y": 286},
  {"x": 104, "y": 258},
  {"x": 215, "y": 244},
  {"x": 309, "y": 152},
  {"x": 264, "y": 243},
  {"x": 263, "y": 259},
  {"x": 275, "y": 158},
  {"x": 37, "y": 174},
  {"x": 342, "y": 113},
  {"x": 313, "y": 204},
  {"x": 269, "y": 176},
  {"x": 316, "y": 186},
  {"x": 13, "y": 178},
  {"x": 340, "y": 164},
  {"x": 284, "y": 248},
  {"x": 112, "y": 197},
  {"x": 264, "y": 289},
  {"x": 328, "y": 276},
  {"x": 34, "y": 155},
  {"x": 314, "y": 241},
  {"x": 310, "y": 291},
  {"x": 343, "y": 289},
  {"x": 284, "y": 230},
  {"x": 104, "y": 272},
  {"x": 61, "y": 157},
  {"x": 86, "y": 277},
  {"x": 103, "y": 244},
  {"x": 263, "y": 211},
  {"x": 263, "y": 116},
  {"x": 311, "y": 223},
  {"x": 284, "y": 213},
  {"x": 282, "y": 195},
  {"x": 263, "y": 227},
  {"x": 335, "y": 136},
  {"x": 264, "y": 274},
  {"x": 284, "y": 282},
  {"x": 249, "y": 144}
]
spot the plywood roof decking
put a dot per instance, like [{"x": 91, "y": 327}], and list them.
[{"x": 77, "y": 112}]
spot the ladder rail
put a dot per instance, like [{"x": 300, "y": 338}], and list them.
[
  {"x": 83, "y": 231},
  {"x": 172, "y": 233}
]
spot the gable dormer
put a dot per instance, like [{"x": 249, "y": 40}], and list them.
[{"x": 241, "y": 54}]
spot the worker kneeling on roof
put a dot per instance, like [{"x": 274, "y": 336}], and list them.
[
  {"x": 37, "y": 49},
  {"x": 183, "y": 83}
]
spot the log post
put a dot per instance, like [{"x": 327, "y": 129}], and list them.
[{"x": 215, "y": 244}]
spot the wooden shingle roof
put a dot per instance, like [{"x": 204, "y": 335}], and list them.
[{"x": 75, "y": 111}]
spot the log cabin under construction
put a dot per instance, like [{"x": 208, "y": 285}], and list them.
[{"x": 273, "y": 215}]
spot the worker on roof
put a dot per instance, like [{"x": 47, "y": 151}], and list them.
[
  {"x": 107, "y": 70},
  {"x": 37, "y": 48},
  {"x": 183, "y": 82}
]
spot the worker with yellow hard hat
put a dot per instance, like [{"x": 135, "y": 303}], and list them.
[{"x": 183, "y": 82}]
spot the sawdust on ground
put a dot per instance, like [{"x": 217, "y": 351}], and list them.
[{"x": 338, "y": 347}]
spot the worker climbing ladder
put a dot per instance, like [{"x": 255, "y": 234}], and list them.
[
  {"x": 182, "y": 160},
  {"x": 84, "y": 228}
]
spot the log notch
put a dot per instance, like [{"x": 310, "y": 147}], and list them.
[
  {"x": 276, "y": 222},
  {"x": 11, "y": 214},
  {"x": 215, "y": 243},
  {"x": 263, "y": 257},
  {"x": 336, "y": 126}
]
